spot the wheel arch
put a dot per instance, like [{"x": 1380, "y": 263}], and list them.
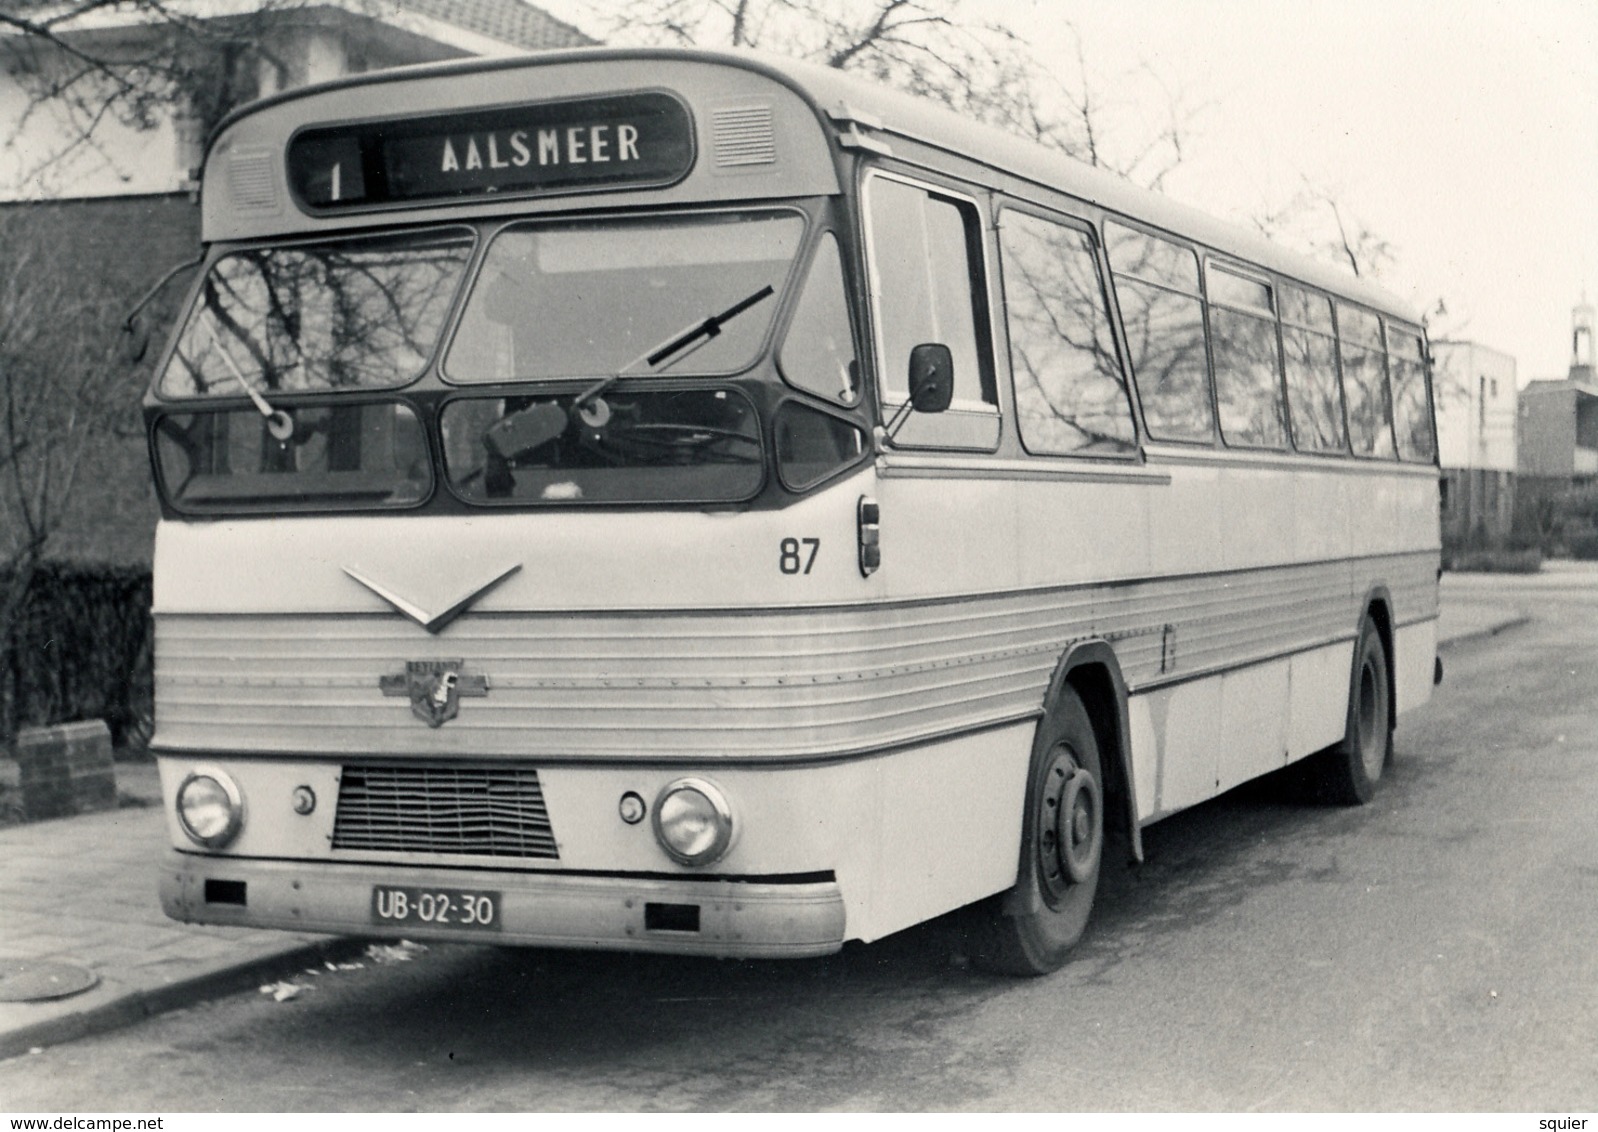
[{"x": 1090, "y": 670}]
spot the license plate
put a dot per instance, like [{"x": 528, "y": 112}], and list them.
[{"x": 470, "y": 909}]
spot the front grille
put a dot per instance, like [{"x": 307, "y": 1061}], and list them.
[{"x": 473, "y": 811}]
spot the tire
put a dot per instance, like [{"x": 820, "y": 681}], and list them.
[
  {"x": 1348, "y": 772},
  {"x": 1031, "y": 929}
]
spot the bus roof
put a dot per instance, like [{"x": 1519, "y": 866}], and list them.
[{"x": 839, "y": 97}]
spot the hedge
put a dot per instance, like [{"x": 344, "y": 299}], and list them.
[{"x": 82, "y": 649}]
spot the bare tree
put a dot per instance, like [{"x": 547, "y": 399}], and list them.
[
  {"x": 91, "y": 77},
  {"x": 101, "y": 67},
  {"x": 938, "y": 49},
  {"x": 1317, "y": 220},
  {"x": 63, "y": 392},
  {"x": 942, "y": 50}
]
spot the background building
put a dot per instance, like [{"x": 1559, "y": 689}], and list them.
[
  {"x": 99, "y": 215},
  {"x": 1474, "y": 387},
  {"x": 1559, "y": 417},
  {"x": 232, "y": 57}
]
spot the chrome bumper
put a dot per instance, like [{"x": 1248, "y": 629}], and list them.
[{"x": 735, "y": 918}]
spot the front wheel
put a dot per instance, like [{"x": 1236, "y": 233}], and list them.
[{"x": 1031, "y": 929}]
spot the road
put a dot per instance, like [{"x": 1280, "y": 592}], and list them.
[{"x": 1434, "y": 950}]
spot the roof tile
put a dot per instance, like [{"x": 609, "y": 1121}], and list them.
[{"x": 510, "y": 21}]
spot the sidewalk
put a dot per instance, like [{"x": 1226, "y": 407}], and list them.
[
  {"x": 81, "y": 891},
  {"x": 1465, "y": 618}
]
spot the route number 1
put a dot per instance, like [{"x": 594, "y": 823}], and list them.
[{"x": 794, "y": 560}]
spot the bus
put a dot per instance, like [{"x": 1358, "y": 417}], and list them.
[{"x": 695, "y": 502}]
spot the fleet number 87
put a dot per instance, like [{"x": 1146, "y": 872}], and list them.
[{"x": 798, "y": 555}]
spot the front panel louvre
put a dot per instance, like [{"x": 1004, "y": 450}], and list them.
[
  {"x": 744, "y": 136},
  {"x": 459, "y": 810},
  {"x": 251, "y": 178}
]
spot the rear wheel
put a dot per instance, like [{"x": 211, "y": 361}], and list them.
[
  {"x": 1031, "y": 930},
  {"x": 1348, "y": 772}
]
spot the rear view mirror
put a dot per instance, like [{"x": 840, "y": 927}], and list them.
[
  {"x": 521, "y": 431},
  {"x": 135, "y": 337},
  {"x": 931, "y": 377}
]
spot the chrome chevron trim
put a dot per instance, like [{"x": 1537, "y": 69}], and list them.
[{"x": 432, "y": 622}]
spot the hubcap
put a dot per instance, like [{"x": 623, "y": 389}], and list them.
[
  {"x": 1070, "y": 825},
  {"x": 1081, "y": 827}
]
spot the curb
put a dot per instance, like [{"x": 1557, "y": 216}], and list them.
[
  {"x": 1481, "y": 634},
  {"x": 137, "y": 1005}
]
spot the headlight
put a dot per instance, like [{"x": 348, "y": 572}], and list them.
[
  {"x": 210, "y": 807},
  {"x": 693, "y": 822}
]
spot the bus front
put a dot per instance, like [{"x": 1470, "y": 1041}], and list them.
[{"x": 516, "y": 476}]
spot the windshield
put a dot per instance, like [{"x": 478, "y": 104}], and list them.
[
  {"x": 609, "y": 342},
  {"x": 308, "y": 318},
  {"x": 588, "y": 299}
]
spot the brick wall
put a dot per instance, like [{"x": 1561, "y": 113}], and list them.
[{"x": 130, "y": 241}]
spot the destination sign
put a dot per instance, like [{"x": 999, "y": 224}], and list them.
[{"x": 628, "y": 140}]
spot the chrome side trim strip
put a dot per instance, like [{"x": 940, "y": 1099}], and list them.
[
  {"x": 927, "y": 465},
  {"x": 898, "y": 465},
  {"x": 1204, "y": 456}
]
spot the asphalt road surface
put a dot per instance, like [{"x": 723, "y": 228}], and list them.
[{"x": 1434, "y": 950}]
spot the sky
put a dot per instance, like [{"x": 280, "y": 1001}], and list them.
[{"x": 1465, "y": 133}]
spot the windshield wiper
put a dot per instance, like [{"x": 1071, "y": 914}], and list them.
[
  {"x": 278, "y": 423},
  {"x": 695, "y": 334}
]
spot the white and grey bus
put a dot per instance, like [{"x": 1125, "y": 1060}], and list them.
[{"x": 690, "y": 502}]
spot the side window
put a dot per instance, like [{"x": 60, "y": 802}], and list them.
[
  {"x": 927, "y": 286},
  {"x": 1412, "y": 415},
  {"x": 1309, "y": 348},
  {"x": 1156, "y": 284},
  {"x": 1248, "y": 372},
  {"x": 817, "y": 356},
  {"x": 1070, "y": 394},
  {"x": 811, "y": 445},
  {"x": 1370, "y": 410}
]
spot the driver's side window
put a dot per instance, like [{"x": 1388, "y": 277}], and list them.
[{"x": 927, "y": 286}]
